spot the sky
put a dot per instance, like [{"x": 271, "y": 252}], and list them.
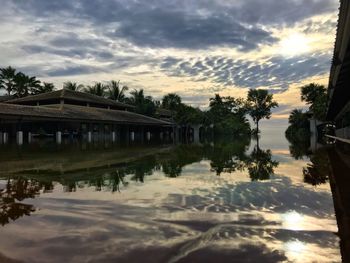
[{"x": 195, "y": 48}]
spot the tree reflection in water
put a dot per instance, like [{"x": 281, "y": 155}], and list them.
[
  {"x": 260, "y": 164},
  {"x": 225, "y": 156},
  {"x": 18, "y": 189},
  {"x": 317, "y": 170}
]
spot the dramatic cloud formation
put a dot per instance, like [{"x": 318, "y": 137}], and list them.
[{"x": 191, "y": 47}]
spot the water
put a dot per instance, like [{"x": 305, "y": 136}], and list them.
[{"x": 223, "y": 201}]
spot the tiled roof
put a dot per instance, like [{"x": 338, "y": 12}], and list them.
[
  {"x": 5, "y": 98},
  {"x": 70, "y": 95},
  {"x": 79, "y": 113}
]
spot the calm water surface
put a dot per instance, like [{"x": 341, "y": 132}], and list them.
[{"x": 222, "y": 201}]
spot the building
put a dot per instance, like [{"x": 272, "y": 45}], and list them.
[
  {"x": 71, "y": 113},
  {"x": 338, "y": 109}
]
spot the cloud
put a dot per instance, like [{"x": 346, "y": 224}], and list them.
[
  {"x": 276, "y": 72},
  {"x": 195, "y": 48},
  {"x": 165, "y": 28},
  {"x": 72, "y": 70}
]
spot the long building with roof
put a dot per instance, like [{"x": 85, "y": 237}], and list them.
[
  {"x": 71, "y": 113},
  {"x": 338, "y": 110}
]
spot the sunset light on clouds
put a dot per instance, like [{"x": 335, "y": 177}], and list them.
[{"x": 193, "y": 48}]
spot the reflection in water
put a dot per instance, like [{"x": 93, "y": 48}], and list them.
[
  {"x": 331, "y": 164},
  {"x": 317, "y": 171},
  {"x": 17, "y": 189},
  {"x": 261, "y": 165},
  {"x": 216, "y": 201}
]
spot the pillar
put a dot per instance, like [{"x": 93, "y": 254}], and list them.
[
  {"x": 89, "y": 135},
  {"x": 161, "y": 136},
  {"x": 59, "y": 137},
  {"x": 5, "y": 137},
  {"x": 148, "y": 136},
  {"x": 19, "y": 137},
  {"x": 132, "y": 136},
  {"x": 29, "y": 137},
  {"x": 142, "y": 134},
  {"x": 113, "y": 136},
  {"x": 196, "y": 133}
]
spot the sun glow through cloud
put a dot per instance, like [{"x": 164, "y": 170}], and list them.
[
  {"x": 294, "y": 44},
  {"x": 193, "y": 48}
]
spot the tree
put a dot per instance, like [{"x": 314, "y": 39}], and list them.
[
  {"x": 45, "y": 87},
  {"x": 25, "y": 85},
  {"x": 116, "y": 92},
  {"x": 97, "y": 89},
  {"x": 171, "y": 101},
  {"x": 228, "y": 115},
  {"x": 144, "y": 104},
  {"x": 7, "y": 79},
  {"x": 315, "y": 95},
  {"x": 259, "y": 105},
  {"x": 73, "y": 86}
]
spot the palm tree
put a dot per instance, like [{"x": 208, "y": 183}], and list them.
[
  {"x": 116, "y": 92},
  {"x": 45, "y": 87},
  {"x": 137, "y": 96},
  {"x": 171, "y": 101},
  {"x": 24, "y": 85},
  {"x": 260, "y": 103},
  {"x": 98, "y": 89},
  {"x": 73, "y": 86},
  {"x": 7, "y": 79},
  {"x": 144, "y": 104}
]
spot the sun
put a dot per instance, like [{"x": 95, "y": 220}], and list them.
[{"x": 294, "y": 44}]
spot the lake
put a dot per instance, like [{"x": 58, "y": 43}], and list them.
[{"x": 225, "y": 200}]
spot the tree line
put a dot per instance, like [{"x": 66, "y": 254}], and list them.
[{"x": 225, "y": 114}]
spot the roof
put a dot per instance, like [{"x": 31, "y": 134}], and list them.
[
  {"x": 6, "y": 98},
  {"x": 78, "y": 113},
  {"x": 338, "y": 92},
  {"x": 164, "y": 112},
  {"x": 69, "y": 95}
]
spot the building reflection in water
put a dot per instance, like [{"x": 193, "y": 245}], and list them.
[
  {"x": 261, "y": 217},
  {"x": 330, "y": 164},
  {"x": 225, "y": 156}
]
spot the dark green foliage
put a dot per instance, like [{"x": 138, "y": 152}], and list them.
[
  {"x": 317, "y": 171},
  {"x": 7, "y": 79},
  {"x": 259, "y": 105},
  {"x": 45, "y": 87},
  {"x": 228, "y": 155},
  {"x": 261, "y": 165},
  {"x": 171, "y": 101},
  {"x": 73, "y": 86},
  {"x": 143, "y": 104},
  {"x": 25, "y": 85},
  {"x": 298, "y": 133},
  {"x": 228, "y": 115},
  {"x": 116, "y": 92},
  {"x": 187, "y": 115},
  {"x": 98, "y": 89},
  {"x": 315, "y": 95}
]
